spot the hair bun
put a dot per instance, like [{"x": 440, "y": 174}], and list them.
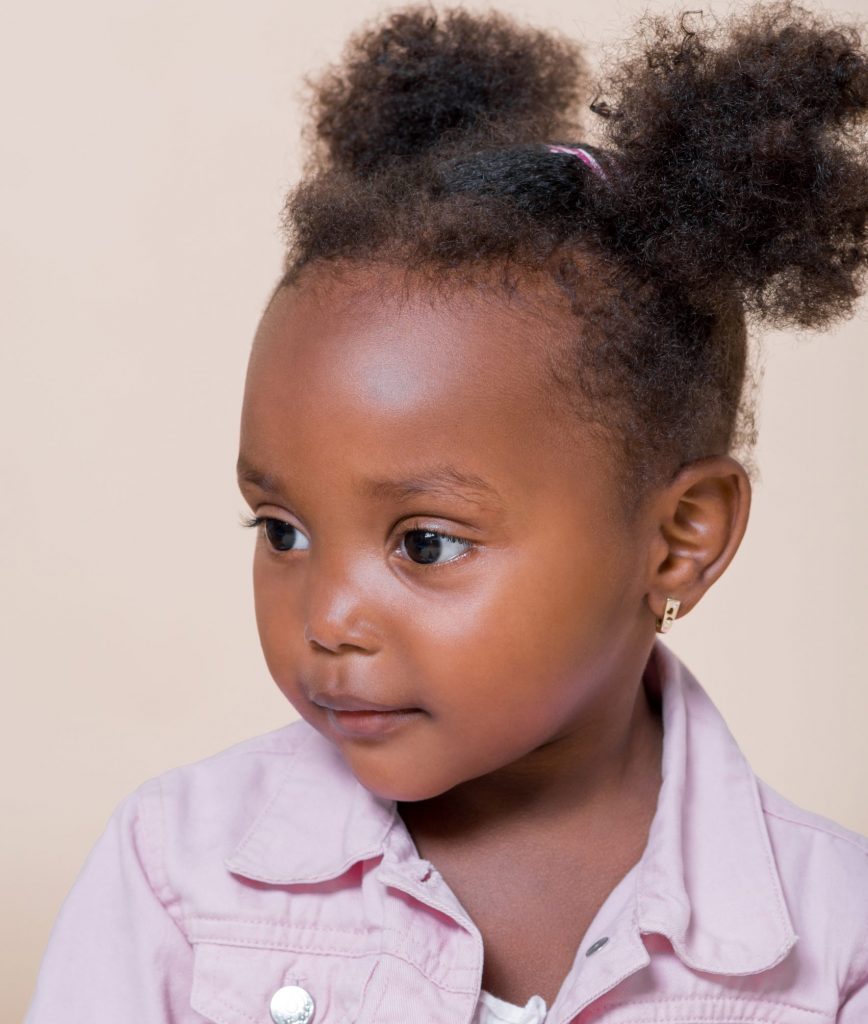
[
  {"x": 421, "y": 80},
  {"x": 741, "y": 158}
]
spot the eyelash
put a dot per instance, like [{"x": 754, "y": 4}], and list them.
[{"x": 253, "y": 522}]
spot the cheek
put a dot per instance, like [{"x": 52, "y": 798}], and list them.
[
  {"x": 529, "y": 614},
  {"x": 516, "y": 659},
  {"x": 277, "y": 621}
]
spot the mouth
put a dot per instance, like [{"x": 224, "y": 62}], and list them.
[
  {"x": 355, "y": 718},
  {"x": 349, "y": 703}
]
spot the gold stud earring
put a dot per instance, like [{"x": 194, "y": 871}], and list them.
[{"x": 669, "y": 613}]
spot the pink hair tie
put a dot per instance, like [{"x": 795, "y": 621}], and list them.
[{"x": 583, "y": 155}]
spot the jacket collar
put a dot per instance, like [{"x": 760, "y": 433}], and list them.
[
  {"x": 707, "y": 878},
  {"x": 318, "y": 822}
]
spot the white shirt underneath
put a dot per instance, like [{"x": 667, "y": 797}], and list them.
[{"x": 491, "y": 1010}]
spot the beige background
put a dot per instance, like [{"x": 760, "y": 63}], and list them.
[{"x": 145, "y": 152}]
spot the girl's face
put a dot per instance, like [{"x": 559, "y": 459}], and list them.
[{"x": 440, "y": 535}]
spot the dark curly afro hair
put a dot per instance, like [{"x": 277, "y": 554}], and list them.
[{"x": 734, "y": 187}]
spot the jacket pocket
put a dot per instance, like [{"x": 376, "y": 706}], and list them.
[{"x": 235, "y": 984}]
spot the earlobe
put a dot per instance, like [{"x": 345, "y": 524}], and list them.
[{"x": 701, "y": 520}]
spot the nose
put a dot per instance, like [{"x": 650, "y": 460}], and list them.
[{"x": 339, "y": 607}]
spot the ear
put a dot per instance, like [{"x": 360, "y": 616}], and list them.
[{"x": 699, "y": 520}]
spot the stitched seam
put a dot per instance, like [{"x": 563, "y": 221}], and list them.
[
  {"x": 774, "y": 877},
  {"x": 733, "y": 1000},
  {"x": 781, "y": 910},
  {"x": 326, "y": 876},
  {"x": 657, "y": 928},
  {"x": 852, "y": 982},
  {"x": 233, "y": 1009},
  {"x": 288, "y": 948},
  {"x": 436, "y": 904},
  {"x": 173, "y": 899},
  {"x": 235, "y": 940},
  {"x": 817, "y": 828},
  {"x": 325, "y": 950},
  {"x": 163, "y": 892},
  {"x": 218, "y": 998},
  {"x": 437, "y": 981},
  {"x": 701, "y": 1020},
  {"x": 278, "y": 924},
  {"x": 366, "y": 986}
]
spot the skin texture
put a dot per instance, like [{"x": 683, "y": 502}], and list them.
[{"x": 536, "y": 748}]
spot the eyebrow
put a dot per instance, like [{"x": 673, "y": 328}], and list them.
[{"x": 440, "y": 481}]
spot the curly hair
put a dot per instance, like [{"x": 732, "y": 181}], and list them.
[{"x": 734, "y": 189}]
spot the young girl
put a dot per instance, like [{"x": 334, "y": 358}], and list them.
[{"x": 486, "y": 437}]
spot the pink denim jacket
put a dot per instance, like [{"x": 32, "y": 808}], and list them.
[{"x": 268, "y": 865}]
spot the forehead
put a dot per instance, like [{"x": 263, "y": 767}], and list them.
[
  {"x": 385, "y": 340},
  {"x": 368, "y": 371}
]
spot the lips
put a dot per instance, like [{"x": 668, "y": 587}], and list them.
[
  {"x": 368, "y": 725},
  {"x": 353, "y": 717},
  {"x": 346, "y": 702}
]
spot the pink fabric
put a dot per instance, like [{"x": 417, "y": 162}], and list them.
[{"x": 268, "y": 864}]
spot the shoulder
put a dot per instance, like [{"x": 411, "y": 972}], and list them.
[
  {"x": 252, "y": 762},
  {"x": 241, "y": 772},
  {"x": 805, "y": 834},
  {"x": 193, "y": 815},
  {"x": 823, "y": 868}
]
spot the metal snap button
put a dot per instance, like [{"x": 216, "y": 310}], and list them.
[
  {"x": 291, "y": 1005},
  {"x": 597, "y": 945}
]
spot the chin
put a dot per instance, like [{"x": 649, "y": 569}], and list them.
[{"x": 395, "y": 783}]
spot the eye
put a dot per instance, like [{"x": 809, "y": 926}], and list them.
[
  {"x": 424, "y": 546},
  {"x": 280, "y": 535}
]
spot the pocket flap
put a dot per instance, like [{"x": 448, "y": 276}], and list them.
[{"x": 235, "y": 984}]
